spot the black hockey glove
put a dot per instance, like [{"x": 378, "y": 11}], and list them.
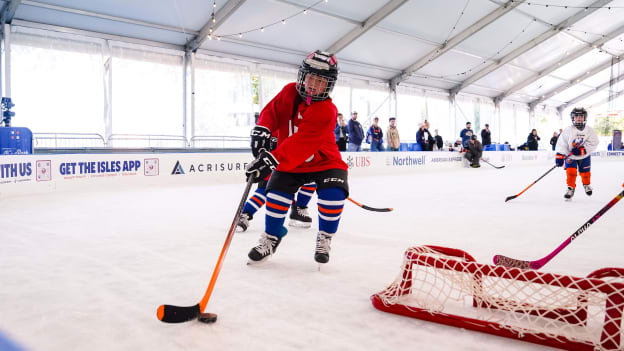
[
  {"x": 260, "y": 140},
  {"x": 261, "y": 167}
]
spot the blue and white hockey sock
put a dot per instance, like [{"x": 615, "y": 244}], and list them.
[
  {"x": 255, "y": 202},
  {"x": 277, "y": 206},
  {"x": 305, "y": 194},
  {"x": 330, "y": 204}
]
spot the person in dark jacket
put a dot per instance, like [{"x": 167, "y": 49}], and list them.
[
  {"x": 533, "y": 140},
  {"x": 474, "y": 150},
  {"x": 423, "y": 138},
  {"x": 438, "y": 140},
  {"x": 356, "y": 133},
  {"x": 342, "y": 133},
  {"x": 553, "y": 140},
  {"x": 375, "y": 134},
  {"x": 486, "y": 138},
  {"x": 465, "y": 134}
]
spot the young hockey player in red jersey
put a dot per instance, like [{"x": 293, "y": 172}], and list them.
[
  {"x": 304, "y": 117},
  {"x": 578, "y": 141}
]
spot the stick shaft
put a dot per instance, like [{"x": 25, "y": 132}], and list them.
[
  {"x": 512, "y": 262},
  {"x": 374, "y": 209},
  {"x": 180, "y": 314},
  {"x": 224, "y": 250},
  {"x": 541, "y": 262},
  {"x": 527, "y": 188}
]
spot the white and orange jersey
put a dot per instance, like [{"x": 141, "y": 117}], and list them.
[{"x": 571, "y": 137}]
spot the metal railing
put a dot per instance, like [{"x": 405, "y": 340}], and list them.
[
  {"x": 146, "y": 141},
  {"x": 137, "y": 141},
  {"x": 219, "y": 142},
  {"x": 68, "y": 140}
]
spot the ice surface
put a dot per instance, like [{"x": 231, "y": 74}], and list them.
[{"x": 87, "y": 270}]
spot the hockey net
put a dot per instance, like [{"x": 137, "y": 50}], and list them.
[{"x": 448, "y": 286}]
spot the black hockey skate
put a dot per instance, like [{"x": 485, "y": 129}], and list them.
[
  {"x": 265, "y": 249},
  {"x": 568, "y": 195},
  {"x": 243, "y": 222},
  {"x": 323, "y": 246},
  {"x": 299, "y": 217},
  {"x": 588, "y": 189}
]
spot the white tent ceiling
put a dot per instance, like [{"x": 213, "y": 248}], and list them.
[{"x": 530, "y": 52}]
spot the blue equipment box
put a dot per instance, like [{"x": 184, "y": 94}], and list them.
[{"x": 15, "y": 141}]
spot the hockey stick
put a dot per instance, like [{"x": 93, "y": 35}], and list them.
[
  {"x": 374, "y": 209},
  {"x": 512, "y": 262},
  {"x": 179, "y": 314},
  {"x": 497, "y": 167},
  {"x": 527, "y": 188}
]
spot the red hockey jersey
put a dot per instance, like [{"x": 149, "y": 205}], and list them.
[{"x": 305, "y": 137}]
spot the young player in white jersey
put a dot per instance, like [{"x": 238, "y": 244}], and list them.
[{"x": 574, "y": 147}]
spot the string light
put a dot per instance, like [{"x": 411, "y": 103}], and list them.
[
  {"x": 261, "y": 29},
  {"x": 484, "y": 60},
  {"x": 456, "y": 22},
  {"x": 574, "y": 7}
]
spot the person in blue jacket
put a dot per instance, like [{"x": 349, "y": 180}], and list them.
[
  {"x": 465, "y": 135},
  {"x": 356, "y": 133}
]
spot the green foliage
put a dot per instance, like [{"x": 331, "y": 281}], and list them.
[
  {"x": 605, "y": 125},
  {"x": 255, "y": 89}
]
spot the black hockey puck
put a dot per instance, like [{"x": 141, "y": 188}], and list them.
[{"x": 207, "y": 317}]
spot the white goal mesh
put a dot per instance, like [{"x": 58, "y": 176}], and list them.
[{"x": 447, "y": 286}]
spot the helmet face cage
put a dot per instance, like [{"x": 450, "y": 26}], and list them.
[
  {"x": 579, "y": 111},
  {"x": 317, "y": 76}
]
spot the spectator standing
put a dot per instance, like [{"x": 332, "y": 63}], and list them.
[
  {"x": 394, "y": 141},
  {"x": 376, "y": 136},
  {"x": 439, "y": 143},
  {"x": 342, "y": 133},
  {"x": 474, "y": 152},
  {"x": 533, "y": 140},
  {"x": 430, "y": 139},
  {"x": 356, "y": 133},
  {"x": 486, "y": 138},
  {"x": 553, "y": 140},
  {"x": 465, "y": 134},
  {"x": 423, "y": 138}
]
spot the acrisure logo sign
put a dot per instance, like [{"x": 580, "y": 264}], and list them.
[{"x": 208, "y": 167}]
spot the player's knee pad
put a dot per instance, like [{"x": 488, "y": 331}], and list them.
[
  {"x": 586, "y": 177},
  {"x": 571, "y": 176}
]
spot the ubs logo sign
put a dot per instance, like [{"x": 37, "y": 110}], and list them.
[{"x": 358, "y": 161}]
